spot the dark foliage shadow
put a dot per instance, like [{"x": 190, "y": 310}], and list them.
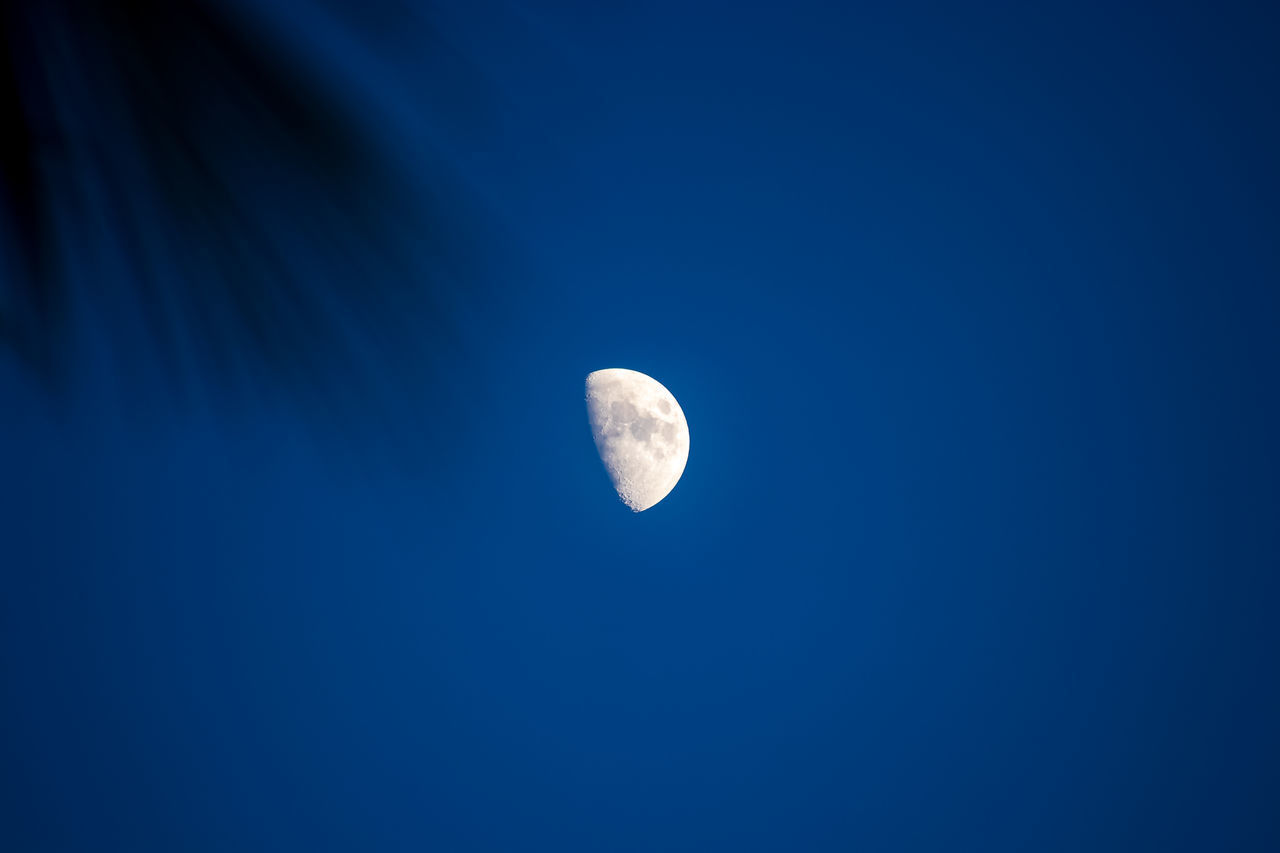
[{"x": 216, "y": 202}]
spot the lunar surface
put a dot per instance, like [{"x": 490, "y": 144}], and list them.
[{"x": 640, "y": 432}]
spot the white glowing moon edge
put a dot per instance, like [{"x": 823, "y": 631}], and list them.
[{"x": 640, "y": 432}]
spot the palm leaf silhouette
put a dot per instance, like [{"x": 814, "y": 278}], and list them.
[{"x": 216, "y": 202}]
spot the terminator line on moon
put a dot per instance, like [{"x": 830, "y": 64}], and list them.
[{"x": 640, "y": 432}]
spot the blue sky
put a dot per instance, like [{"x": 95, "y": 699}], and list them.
[{"x": 973, "y": 317}]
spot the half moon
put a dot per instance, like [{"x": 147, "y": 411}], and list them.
[{"x": 640, "y": 432}]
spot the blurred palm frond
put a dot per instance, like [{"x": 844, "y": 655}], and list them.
[{"x": 214, "y": 197}]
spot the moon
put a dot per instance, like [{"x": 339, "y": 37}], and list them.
[{"x": 640, "y": 432}]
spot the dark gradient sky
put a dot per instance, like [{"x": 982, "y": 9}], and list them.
[{"x": 975, "y": 318}]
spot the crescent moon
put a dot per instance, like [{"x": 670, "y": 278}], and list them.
[{"x": 640, "y": 432}]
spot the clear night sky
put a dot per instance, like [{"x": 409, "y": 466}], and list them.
[{"x": 975, "y": 318}]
